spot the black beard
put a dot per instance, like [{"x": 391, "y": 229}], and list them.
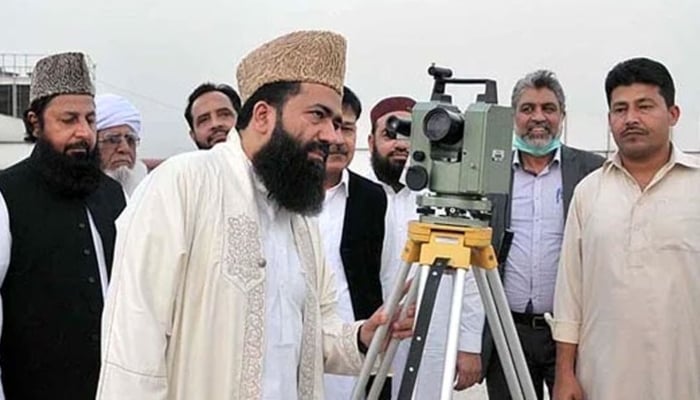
[
  {"x": 205, "y": 145},
  {"x": 69, "y": 176},
  {"x": 202, "y": 146},
  {"x": 293, "y": 181},
  {"x": 386, "y": 171}
]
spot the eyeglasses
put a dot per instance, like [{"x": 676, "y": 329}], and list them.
[{"x": 116, "y": 139}]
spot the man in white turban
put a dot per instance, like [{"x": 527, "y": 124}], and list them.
[{"x": 118, "y": 129}]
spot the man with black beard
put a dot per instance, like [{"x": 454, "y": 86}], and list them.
[
  {"x": 220, "y": 287},
  {"x": 387, "y": 151},
  {"x": 292, "y": 172},
  {"x": 389, "y": 154},
  {"x": 57, "y": 213}
]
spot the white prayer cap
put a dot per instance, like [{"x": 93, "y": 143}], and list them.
[{"x": 113, "y": 110}]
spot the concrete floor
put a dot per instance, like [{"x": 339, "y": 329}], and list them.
[{"x": 477, "y": 392}]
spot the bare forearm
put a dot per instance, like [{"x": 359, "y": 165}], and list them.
[
  {"x": 566, "y": 386},
  {"x": 566, "y": 358}
]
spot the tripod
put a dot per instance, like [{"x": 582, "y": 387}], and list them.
[{"x": 455, "y": 247}]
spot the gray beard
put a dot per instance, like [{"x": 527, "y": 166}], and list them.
[{"x": 129, "y": 178}]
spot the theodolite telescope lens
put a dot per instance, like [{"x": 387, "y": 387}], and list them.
[{"x": 443, "y": 126}]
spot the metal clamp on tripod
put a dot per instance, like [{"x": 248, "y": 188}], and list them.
[{"x": 463, "y": 159}]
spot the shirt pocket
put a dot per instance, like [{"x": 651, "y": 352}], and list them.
[
  {"x": 678, "y": 225},
  {"x": 553, "y": 204}
]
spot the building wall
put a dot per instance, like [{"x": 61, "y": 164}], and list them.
[{"x": 12, "y": 145}]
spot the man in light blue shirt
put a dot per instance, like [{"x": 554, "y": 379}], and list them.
[{"x": 544, "y": 175}]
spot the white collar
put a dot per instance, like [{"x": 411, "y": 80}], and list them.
[
  {"x": 270, "y": 207},
  {"x": 387, "y": 188},
  {"x": 677, "y": 157},
  {"x": 557, "y": 157},
  {"x": 343, "y": 185}
]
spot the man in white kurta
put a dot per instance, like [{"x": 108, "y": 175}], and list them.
[
  {"x": 220, "y": 289},
  {"x": 628, "y": 289}
]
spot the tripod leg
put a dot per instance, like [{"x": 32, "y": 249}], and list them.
[
  {"x": 516, "y": 350},
  {"x": 499, "y": 338},
  {"x": 358, "y": 392},
  {"x": 423, "y": 274},
  {"x": 415, "y": 352},
  {"x": 390, "y": 352},
  {"x": 452, "y": 345}
]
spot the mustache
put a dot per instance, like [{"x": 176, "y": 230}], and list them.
[
  {"x": 215, "y": 132},
  {"x": 219, "y": 130},
  {"x": 632, "y": 130},
  {"x": 544, "y": 125},
  {"x": 338, "y": 149},
  {"x": 321, "y": 147},
  {"x": 79, "y": 145},
  {"x": 398, "y": 153}
]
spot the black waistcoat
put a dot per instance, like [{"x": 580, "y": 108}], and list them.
[
  {"x": 361, "y": 244},
  {"x": 51, "y": 295}
]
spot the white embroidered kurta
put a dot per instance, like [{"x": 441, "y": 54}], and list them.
[
  {"x": 185, "y": 315},
  {"x": 402, "y": 209},
  {"x": 285, "y": 289},
  {"x": 628, "y": 289}
]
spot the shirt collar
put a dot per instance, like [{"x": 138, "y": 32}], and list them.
[
  {"x": 343, "y": 185},
  {"x": 685, "y": 159},
  {"x": 557, "y": 157},
  {"x": 270, "y": 208},
  {"x": 677, "y": 157},
  {"x": 258, "y": 184},
  {"x": 387, "y": 188}
]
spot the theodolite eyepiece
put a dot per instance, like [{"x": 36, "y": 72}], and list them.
[{"x": 397, "y": 126}]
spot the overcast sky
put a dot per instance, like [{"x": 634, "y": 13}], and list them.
[{"x": 156, "y": 51}]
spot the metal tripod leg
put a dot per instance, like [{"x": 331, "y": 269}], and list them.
[
  {"x": 460, "y": 247},
  {"x": 505, "y": 336},
  {"x": 420, "y": 334},
  {"x": 390, "y": 352},
  {"x": 358, "y": 392},
  {"x": 452, "y": 345}
]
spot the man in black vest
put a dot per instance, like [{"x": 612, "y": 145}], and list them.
[
  {"x": 353, "y": 248},
  {"x": 57, "y": 213},
  {"x": 545, "y": 173}
]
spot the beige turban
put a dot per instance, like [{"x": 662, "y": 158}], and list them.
[
  {"x": 64, "y": 73},
  {"x": 304, "y": 56}
]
